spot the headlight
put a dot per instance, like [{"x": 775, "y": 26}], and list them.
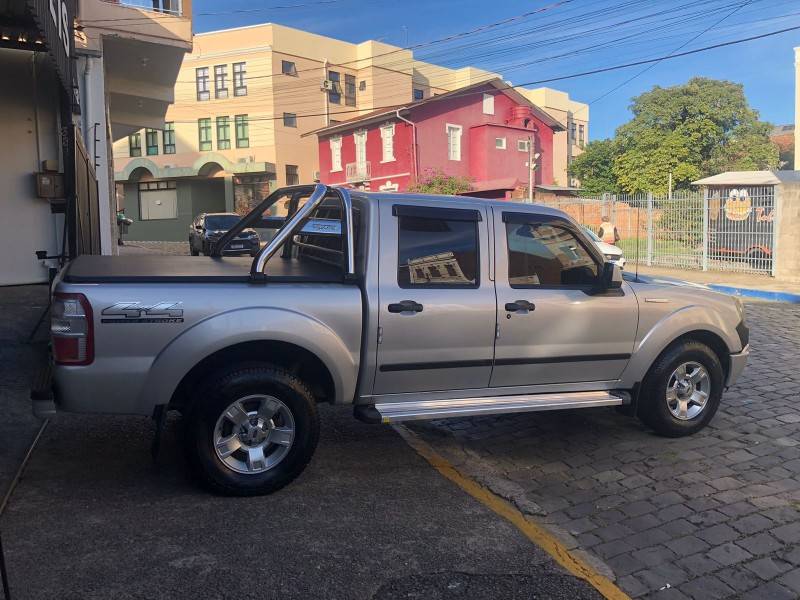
[{"x": 612, "y": 257}]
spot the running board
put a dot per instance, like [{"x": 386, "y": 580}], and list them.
[{"x": 392, "y": 412}]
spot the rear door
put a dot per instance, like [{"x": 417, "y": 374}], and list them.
[
  {"x": 437, "y": 303},
  {"x": 552, "y": 326}
]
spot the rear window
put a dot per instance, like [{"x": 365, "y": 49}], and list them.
[{"x": 437, "y": 252}]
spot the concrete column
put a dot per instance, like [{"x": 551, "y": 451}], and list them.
[
  {"x": 787, "y": 232},
  {"x": 230, "y": 201},
  {"x": 95, "y": 138}
]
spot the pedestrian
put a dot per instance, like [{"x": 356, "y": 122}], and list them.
[{"x": 608, "y": 231}]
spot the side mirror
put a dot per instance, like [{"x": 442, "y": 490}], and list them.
[{"x": 611, "y": 278}]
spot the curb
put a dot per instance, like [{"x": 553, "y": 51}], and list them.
[{"x": 771, "y": 295}]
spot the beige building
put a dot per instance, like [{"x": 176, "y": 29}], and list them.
[
  {"x": 243, "y": 99},
  {"x": 797, "y": 107}
]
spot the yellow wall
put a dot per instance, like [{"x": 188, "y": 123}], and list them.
[{"x": 387, "y": 73}]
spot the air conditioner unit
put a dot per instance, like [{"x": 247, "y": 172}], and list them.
[{"x": 328, "y": 85}]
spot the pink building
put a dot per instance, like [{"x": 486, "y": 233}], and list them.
[{"x": 480, "y": 132}]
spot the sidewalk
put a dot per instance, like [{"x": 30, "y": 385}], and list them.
[{"x": 744, "y": 284}]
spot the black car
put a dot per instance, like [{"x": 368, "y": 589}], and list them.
[{"x": 209, "y": 227}]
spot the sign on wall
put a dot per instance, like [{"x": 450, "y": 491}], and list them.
[{"x": 55, "y": 21}]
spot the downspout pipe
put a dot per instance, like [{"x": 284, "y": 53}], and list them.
[
  {"x": 87, "y": 93},
  {"x": 413, "y": 142}
]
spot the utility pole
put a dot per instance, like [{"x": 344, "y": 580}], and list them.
[{"x": 530, "y": 169}]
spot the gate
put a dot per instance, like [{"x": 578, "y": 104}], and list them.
[{"x": 87, "y": 217}]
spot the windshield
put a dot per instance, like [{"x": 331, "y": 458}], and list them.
[
  {"x": 592, "y": 234},
  {"x": 221, "y": 222}
]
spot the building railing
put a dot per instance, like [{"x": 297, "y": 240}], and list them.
[
  {"x": 172, "y": 7},
  {"x": 355, "y": 172}
]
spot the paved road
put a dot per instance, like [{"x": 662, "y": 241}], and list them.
[
  {"x": 94, "y": 518},
  {"x": 712, "y": 516}
]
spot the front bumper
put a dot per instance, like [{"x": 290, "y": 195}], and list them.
[{"x": 738, "y": 363}]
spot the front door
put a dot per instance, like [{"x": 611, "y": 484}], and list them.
[
  {"x": 437, "y": 303},
  {"x": 552, "y": 327}
]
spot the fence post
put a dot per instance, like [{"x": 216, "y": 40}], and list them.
[
  {"x": 705, "y": 229},
  {"x": 649, "y": 228},
  {"x": 776, "y": 224}
]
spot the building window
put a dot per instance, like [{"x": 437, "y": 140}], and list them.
[
  {"x": 544, "y": 254},
  {"x": 204, "y": 134},
  {"x": 350, "y": 90},
  {"x": 292, "y": 175},
  {"x": 223, "y": 133},
  {"x": 581, "y": 135},
  {"x": 335, "y": 93},
  {"x": 387, "y": 142},
  {"x": 360, "y": 140},
  {"x": 242, "y": 131},
  {"x": 522, "y": 145},
  {"x": 289, "y": 119},
  {"x": 201, "y": 78},
  {"x": 437, "y": 252},
  {"x": 488, "y": 104},
  {"x": 500, "y": 143},
  {"x": 419, "y": 94},
  {"x": 151, "y": 140},
  {"x": 168, "y": 138},
  {"x": 453, "y": 141},
  {"x": 221, "y": 81},
  {"x": 239, "y": 79},
  {"x": 572, "y": 136},
  {"x": 158, "y": 200},
  {"x": 336, "y": 154},
  {"x": 288, "y": 68},
  {"x": 135, "y": 144},
  {"x": 362, "y": 85}
]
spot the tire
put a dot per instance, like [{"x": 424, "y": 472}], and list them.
[
  {"x": 258, "y": 390},
  {"x": 672, "y": 408},
  {"x": 253, "y": 253},
  {"x": 192, "y": 251}
]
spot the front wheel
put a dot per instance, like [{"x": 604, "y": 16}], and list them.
[
  {"x": 682, "y": 391},
  {"x": 253, "y": 432}
]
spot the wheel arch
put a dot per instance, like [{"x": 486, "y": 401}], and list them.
[{"x": 296, "y": 359}]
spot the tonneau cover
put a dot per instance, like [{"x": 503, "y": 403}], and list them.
[{"x": 157, "y": 268}]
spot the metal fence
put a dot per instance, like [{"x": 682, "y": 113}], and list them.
[{"x": 718, "y": 229}]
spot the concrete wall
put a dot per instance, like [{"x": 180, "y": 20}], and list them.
[
  {"x": 787, "y": 253},
  {"x": 27, "y": 224},
  {"x": 194, "y": 197}
]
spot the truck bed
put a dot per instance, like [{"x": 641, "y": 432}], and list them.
[{"x": 141, "y": 268}]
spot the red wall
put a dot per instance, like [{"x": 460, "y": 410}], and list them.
[{"x": 480, "y": 160}]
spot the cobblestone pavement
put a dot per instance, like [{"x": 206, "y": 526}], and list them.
[{"x": 715, "y": 515}]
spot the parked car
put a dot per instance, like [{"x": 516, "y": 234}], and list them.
[
  {"x": 611, "y": 252},
  {"x": 403, "y": 306},
  {"x": 208, "y": 228}
]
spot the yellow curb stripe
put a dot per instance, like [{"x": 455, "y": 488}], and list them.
[{"x": 535, "y": 533}]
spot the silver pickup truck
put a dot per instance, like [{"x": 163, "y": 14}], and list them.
[{"x": 403, "y": 306}]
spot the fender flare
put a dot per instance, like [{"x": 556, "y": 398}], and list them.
[
  {"x": 223, "y": 330},
  {"x": 668, "y": 329}
]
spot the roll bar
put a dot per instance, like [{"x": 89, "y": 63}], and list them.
[{"x": 294, "y": 224}]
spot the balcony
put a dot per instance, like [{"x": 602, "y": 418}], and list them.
[
  {"x": 358, "y": 172},
  {"x": 172, "y": 7},
  {"x": 162, "y": 22}
]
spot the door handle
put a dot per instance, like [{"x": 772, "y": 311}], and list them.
[
  {"x": 520, "y": 305},
  {"x": 405, "y": 306}
]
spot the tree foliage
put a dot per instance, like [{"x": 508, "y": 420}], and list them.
[
  {"x": 438, "y": 182},
  {"x": 700, "y": 128}
]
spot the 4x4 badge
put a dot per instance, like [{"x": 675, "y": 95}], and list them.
[{"x": 136, "y": 312}]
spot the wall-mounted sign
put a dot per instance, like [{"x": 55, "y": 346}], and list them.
[{"x": 55, "y": 21}]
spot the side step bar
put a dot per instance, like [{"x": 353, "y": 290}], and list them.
[{"x": 391, "y": 412}]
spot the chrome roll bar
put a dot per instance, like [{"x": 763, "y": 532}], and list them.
[{"x": 297, "y": 220}]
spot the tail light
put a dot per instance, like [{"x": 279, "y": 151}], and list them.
[{"x": 72, "y": 329}]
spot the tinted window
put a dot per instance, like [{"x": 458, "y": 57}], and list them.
[
  {"x": 221, "y": 222},
  {"x": 541, "y": 254},
  {"x": 437, "y": 252}
]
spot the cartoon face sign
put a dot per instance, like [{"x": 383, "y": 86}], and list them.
[{"x": 738, "y": 206}]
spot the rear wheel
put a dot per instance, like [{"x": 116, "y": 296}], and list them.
[
  {"x": 253, "y": 432},
  {"x": 192, "y": 251},
  {"x": 682, "y": 391}
]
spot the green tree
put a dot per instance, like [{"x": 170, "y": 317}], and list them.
[
  {"x": 594, "y": 168},
  {"x": 438, "y": 182},
  {"x": 699, "y": 128}
]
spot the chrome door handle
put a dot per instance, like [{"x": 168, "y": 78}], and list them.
[
  {"x": 520, "y": 305},
  {"x": 405, "y": 306}
]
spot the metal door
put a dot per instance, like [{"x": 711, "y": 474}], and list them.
[
  {"x": 552, "y": 328},
  {"x": 437, "y": 302}
]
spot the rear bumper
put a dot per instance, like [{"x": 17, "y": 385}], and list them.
[{"x": 738, "y": 363}]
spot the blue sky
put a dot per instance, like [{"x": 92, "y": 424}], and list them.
[{"x": 564, "y": 37}]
